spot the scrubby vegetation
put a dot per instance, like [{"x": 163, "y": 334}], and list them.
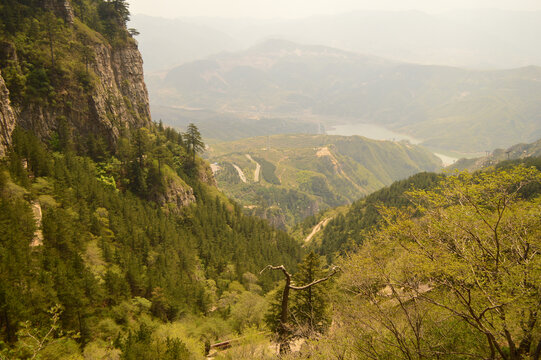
[
  {"x": 453, "y": 275},
  {"x": 346, "y": 231},
  {"x": 44, "y": 59}
]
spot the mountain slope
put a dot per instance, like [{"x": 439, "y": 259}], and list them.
[
  {"x": 445, "y": 108},
  {"x": 518, "y": 151},
  {"x": 114, "y": 241},
  {"x": 72, "y": 64},
  {"x": 290, "y": 177}
]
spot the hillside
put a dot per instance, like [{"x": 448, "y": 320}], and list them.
[
  {"x": 350, "y": 226},
  {"x": 518, "y": 151},
  {"x": 285, "y": 178},
  {"x": 114, "y": 240},
  {"x": 444, "y": 108},
  {"x": 442, "y": 265},
  {"x": 71, "y": 64}
]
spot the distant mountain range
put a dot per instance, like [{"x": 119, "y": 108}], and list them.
[
  {"x": 466, "y": 38},
  {"x": 446, "y": 108},
  {"x": 285, "y": 178},
  {"x": 166, "y": 43}
]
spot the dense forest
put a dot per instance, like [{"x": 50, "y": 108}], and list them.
[
  {"x": 106, "y": 241},
  {"x": 345, "y": 231}
]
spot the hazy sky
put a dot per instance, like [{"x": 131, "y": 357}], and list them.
[{"x": 302, "y": 8}]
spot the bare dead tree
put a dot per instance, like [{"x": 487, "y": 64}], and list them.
[{"x": 284, "y": 329}]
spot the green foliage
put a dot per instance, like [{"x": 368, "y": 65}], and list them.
[
  {"x": 310, "y": 308},
  {"x": 347, "y": 231},
  {"x": 44, "y": 58},
  {"x": 305, "y": 174},
  {"x": 113, "y": 252},
  {"x": 268, "y": 170},
  {"x": 193, "y": 139},
  {"x": 455, "y": 275}
]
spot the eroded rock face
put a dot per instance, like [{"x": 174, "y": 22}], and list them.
[
  {"x": 118, "y": 99},
  {"x": 206, "y": 175},
  {"x": 177, "y": 196},
  {"x": 7, "y": 118}
]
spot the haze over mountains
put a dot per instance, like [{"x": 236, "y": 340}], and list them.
[
  {"x": 445, "y": 108},
  {"x": 124, "y": 238},
  {"x": 483, "y": 39},
  {"x": 436, "y": 78}
]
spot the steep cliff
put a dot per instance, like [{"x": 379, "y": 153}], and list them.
[
  {"x": 66, "y": 71},
  {"x": 118, "y": 97},
  {"x": 72, "y": 74},
  {"x": 7, "y": 118}
]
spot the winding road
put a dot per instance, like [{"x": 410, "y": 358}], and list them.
[
  {"x": 241, "y": 174},
  {"x": 257, "y": 168}
]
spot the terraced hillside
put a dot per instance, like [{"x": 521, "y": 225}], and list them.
[{"x": 285, "y": 178}]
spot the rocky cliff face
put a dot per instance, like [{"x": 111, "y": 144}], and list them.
[
  {"x": 115, "y": 94},
  {"x": 118, "y": 99},
  {"x": 96, "y": 87},
  {"x": 7, "y": 117},
  {"x": 206, "y": 175},
  {"x": 176, "y": 196}
]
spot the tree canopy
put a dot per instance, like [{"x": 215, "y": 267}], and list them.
[{"x": 455, "y": 275}]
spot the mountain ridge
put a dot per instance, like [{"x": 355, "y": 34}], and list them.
[{"x": 447, "y": 108}]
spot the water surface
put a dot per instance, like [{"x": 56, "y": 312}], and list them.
[{"x": 370, "y": 131}]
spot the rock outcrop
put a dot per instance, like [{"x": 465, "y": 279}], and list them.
[
  {"x": 102, "y": 93},
  {"x": 121, "y": 95},
  {"x": 118, "y": 99},
  {"x": 7, "y": 117},
  {"x": 177, "y": 195},
  {"x": 206, "y": 175}
]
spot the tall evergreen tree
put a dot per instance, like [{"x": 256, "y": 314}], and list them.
[{"x": 194, "y": 140}]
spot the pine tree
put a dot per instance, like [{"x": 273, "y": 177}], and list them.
[
  {"x": 194, "y": 140},
  {"x": 310, "y": 308}
]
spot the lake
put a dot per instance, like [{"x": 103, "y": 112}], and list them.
[{"x": 370, "y": 131}]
